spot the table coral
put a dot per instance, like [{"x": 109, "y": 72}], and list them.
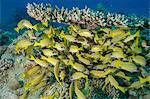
[{"x": 88, "y": 17}]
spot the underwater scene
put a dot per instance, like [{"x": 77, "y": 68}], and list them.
[{"x": 74, "y": 49}]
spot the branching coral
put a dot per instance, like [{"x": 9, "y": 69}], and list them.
[
  {"x": 76, "y": 56},
  {"x": 88, "y": 17}
]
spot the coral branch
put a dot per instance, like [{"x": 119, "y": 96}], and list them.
[{"x": 86, "y": 16}]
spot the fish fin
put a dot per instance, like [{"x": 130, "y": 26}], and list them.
[
  {"x": 32, "y": 57},
  {"x": 35, "y": 27},
  {"x": 36, "y": 44},
  {"x": 17, "y": 29},
  {"x": 45, "y": 23}
]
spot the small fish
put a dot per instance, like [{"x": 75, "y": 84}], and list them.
[
  {"x": 68, "y": 37},
  {"x": 106, "y": 30},
  {"x": 100, "y": 66},
  {"x": 45, "y": 23},
  {"x": 71, "y": 90},
  {"x": 106, "y": 83},
  {"x": 49, "y": 32},
  {"x": 56, "y": 73},
  {"x": 39, "y": 62},
  {"x": 44, "y": 42},
  {"x": 31, "y": 71},
  {"x": 83, "y": 60},
  {"x": 34, "y": 81},
  {"x": 59, "y": 46},
  {"x": 40, "y": 85},
  {"x": 118, "y": 54},
  {"x": 22, "y": 44},
  {"x": 48, "y": 52},
  {"x": 31, "y": 34},
  {"x": 101, "y": 74},
  {"x": 62, "y": 75},
  {"x": 79, "y": 94},
  {"x": 93, "y": 55},
  {"x": 96, "y": 48},
  {"x": 84, "y": 42},
  {"x": 132, "y": 36},
  {"x": 119, "y": 37},
  {"x": 140, "y": 83},
  {"x": 85, "y": 33},
  {"x": 77, "y": 66},
  {"x": 74, "y": 49},
  {"x": 131, "y": 67},
  {"x": 51, "y": 60},
  {"x": 116, "y": 33},
  {"x": 96, "y": 38},
  {"x": 122, "y": 74},
  {"x": 24, "y": 24},
  {"x": 78, "y": 75},
  {"x": 114, "y": 83},
  {"x": 139, "y": 60}
]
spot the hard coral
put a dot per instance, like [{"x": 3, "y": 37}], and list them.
[{"x": 88, "y": 17}]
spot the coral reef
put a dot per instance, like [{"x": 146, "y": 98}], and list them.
[
  {"x": 71, "y": 62},
  {"x": 88, "y": 17}
]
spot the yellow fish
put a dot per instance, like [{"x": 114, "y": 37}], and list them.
[
  {"x": 84, "y": 42},
  {"x": 31, "y": 34},
  {"x": 132, "y": 36},
  {"x": 131, "y": 67},
  {"x": 34, "y": 81},
  {"x": 71, "y": 90},
  {"x": 78, "y": 75},
  {"x": 24, "y": 24},
  {"x": 56, "y": 73},
  {"x": 79, "y": 94},
  {"x": 22, "y": 44},
  {"x": 77, "y": 66},
  {"x": 106, "y": 30},
  {"x": 101, "y": 74},
  {"x": 114, "y": 83},
  {"x": 49, "y": 32},
  {"x": 74, "y": 49},
  {"x": 68, "y": 37},
  {"x": 85, "y": 33},
  {"x": 140, "y": 83},
  {"x": 31, "y": 71},
  {"x": 122, "y": 74},
  {"x": 40, "y": 85},
  {"x": 100, "y": 66},
  {"x": 83, "y": 60},
  {"x": 48, "y": 52},
  {"x": 39, "y": 62},
  {"x": 139, "y": 60},
  {"x": 44, "y": 42},
  {"x": 96, "y": 48},
  {"x": 59, "y": 46},
  {"x": 118, "y": 54},
  {"x": 119, "y": 37},
  {"x": 62, "y": 75},
  {"x": 51, "y": 60},
  {"x": 116, "y": 32}
]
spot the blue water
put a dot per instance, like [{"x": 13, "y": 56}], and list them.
[{"x": 12, "y": 10}]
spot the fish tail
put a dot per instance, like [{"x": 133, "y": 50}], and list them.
[
  {"x": 122, "y": 89},
  {"x": 35, "y": 27},
  {"x": 45, "y": 23},
  {"x": 32, "y": 57},
  {"x": 17, "y": 29},
  {"x": 36, "y": 44},
  {"x": 43, "y": 57}
]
